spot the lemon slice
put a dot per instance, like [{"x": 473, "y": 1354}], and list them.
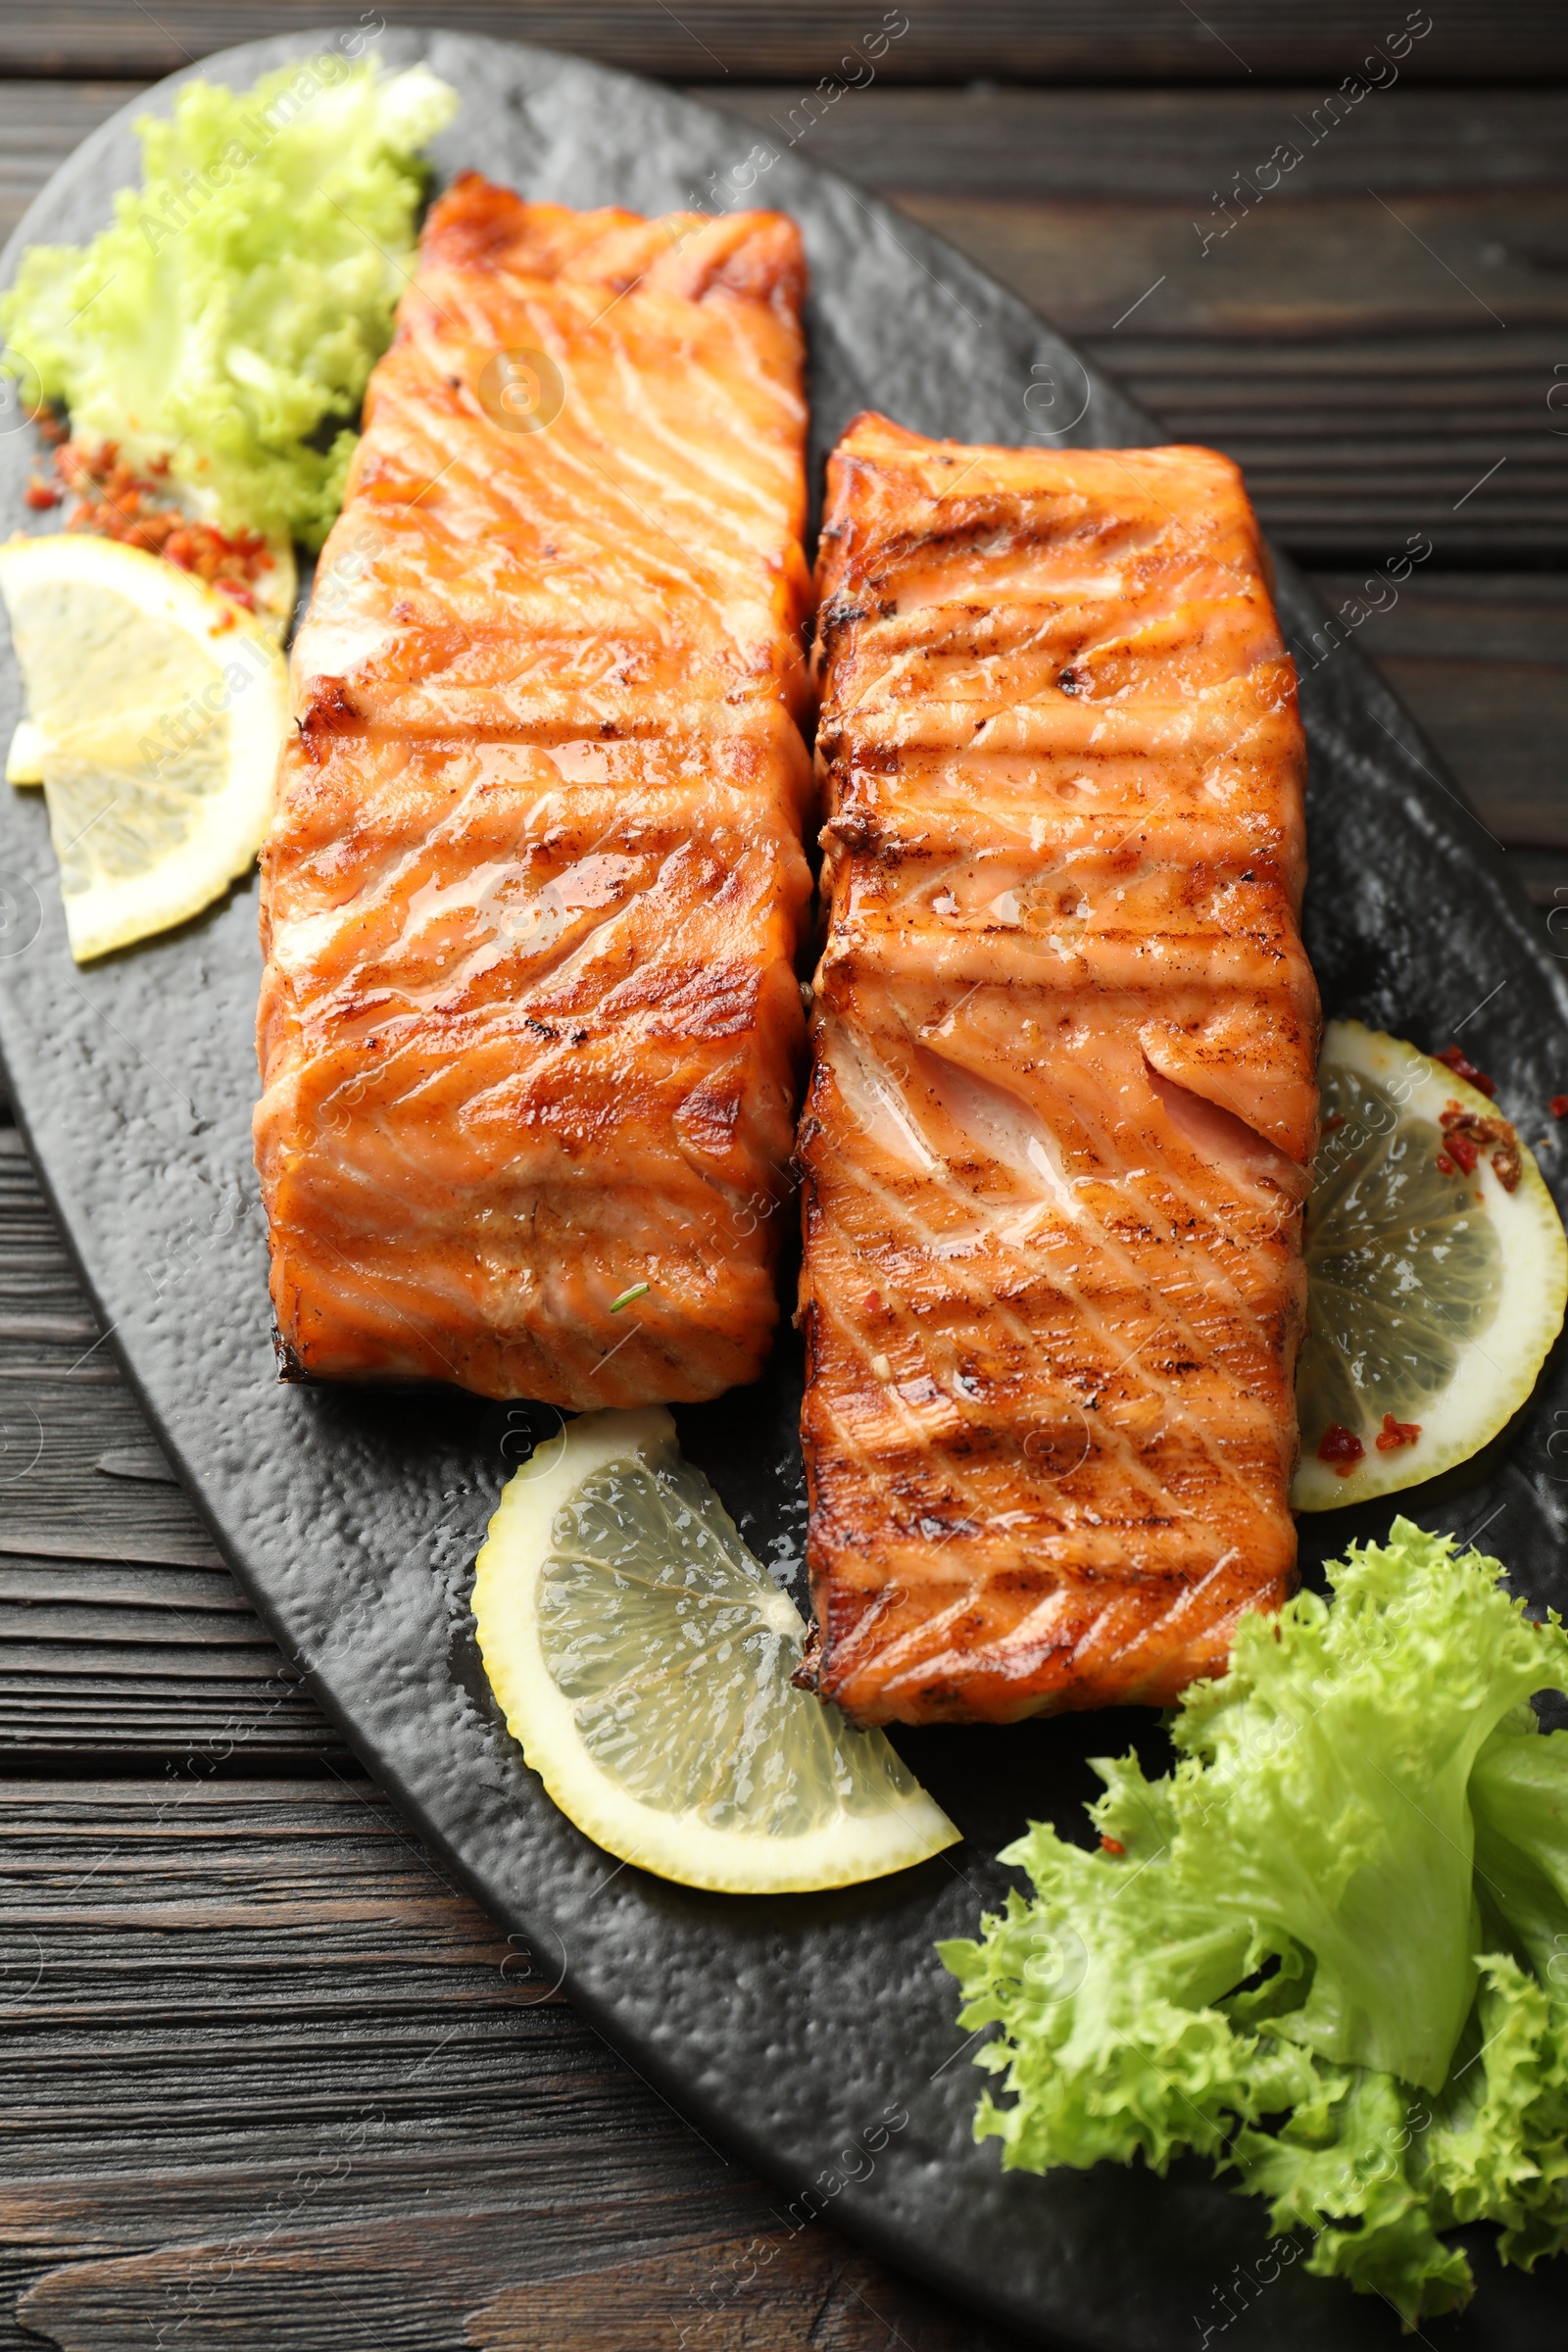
[
  {"x": 155, "y": 713},
  {"x": 642, "y": 1658},
  {"x": 1435, "y": 1288}
]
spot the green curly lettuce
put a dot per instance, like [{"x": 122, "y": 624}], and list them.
[
  {"x": 1327, "y": 1949},
  {"x": 1323, "y": 1788},
  {"x": 229, "y": 318}
]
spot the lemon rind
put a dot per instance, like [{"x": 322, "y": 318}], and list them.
[
  {"x": 29, "y": 747},
  {"x": 1485, "y": 1393},
  {"x": 844, "y": 1851}
]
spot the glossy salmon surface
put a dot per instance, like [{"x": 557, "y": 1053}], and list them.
[
  {"x": 530, "y": 1030},
  {"x": 1064, "y": 1099}
]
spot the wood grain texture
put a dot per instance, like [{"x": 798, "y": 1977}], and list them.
[
  {"x": 377, "y": 2286},
  {"x": 272, "y": 2079},
  {"x": 1483, "y": 661},
  {"x": 120, "y": 1626},
  {"x": 1178, "y": 145},
  {"x": 947, "y": 41},
  {"x": 981, "y": 140}
]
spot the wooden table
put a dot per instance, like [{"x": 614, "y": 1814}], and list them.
[{"x": 271, "y": 2080}]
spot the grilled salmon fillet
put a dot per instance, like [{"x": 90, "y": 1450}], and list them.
[
  {"x": 1062, "y": 1098},
  {"x": 530, "y": 1030}
]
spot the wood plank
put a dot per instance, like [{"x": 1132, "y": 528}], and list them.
[
  {"x": 253, "y": 2021},
  {"x": 979, "y": 140},
  {"x": 1172, "y": 145},
  {"x": 1323, "y": 266},
  {"x": 38, "y": 1618},
  {"x": 154, "y": 1721},
  {"x": 1483, "y": 663},
  {"x": 120, "y": 1583},
  {"x": 482, "y": 2273},
  {"x": 210, "y": 1665},
  {"x": 947, "y": 41},
  {"x": 121, "y": 1629}
]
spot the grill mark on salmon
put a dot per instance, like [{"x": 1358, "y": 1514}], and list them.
[
  {"x": 530, "y": 1032},
  {"x": 1063, "y": 1098}
]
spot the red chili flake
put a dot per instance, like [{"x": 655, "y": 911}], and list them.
[
  {"x": 240, "y": 594},
  {"x": 1558, "y": 1106},
  {"x": 1341, "y": 1447},
  {"x": 1444, "y": 1165},
  {"x": 39, "y": 496},
  {"x": 871, "y": 1302},
  {"x": 1395, "y": 1434},
  {"x": 1466, "y": 1134},
  {"x": 1454, "y": 1057},
  {"x": 1112, "y": 1846},
  {"x": 1335, "y": 1119},
  {"x": 115, "y": 501}
]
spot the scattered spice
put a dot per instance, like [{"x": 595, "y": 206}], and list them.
[
  {"x": 871, "y": 1302},
  {"x": 41, "y": 495},
  {"x": 1466, "y": 1134},
  {"x": 1558, "y": 1106},
  {"x": 1444, "y": 1165},
  {"x": 627, "y": 1297},
  {"x": 115, "y": 501},
  {"x": 1395, "y": 1434},
  {"x": 1112, "y": 1846},
  {"x": 1334, "y": 1120},
  {"x": 1340, "y": 1447},
  {"x": 1453, "y": 1056}
]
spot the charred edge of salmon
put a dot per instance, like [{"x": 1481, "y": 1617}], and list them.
[
  {"x": 807, "y": 1675},
  {"x": 756, "y": 256},
  {"x": 292, "y": 1370},
  {"x": 330, "y": 712}
]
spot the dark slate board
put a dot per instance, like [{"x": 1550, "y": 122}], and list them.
[{"x": 791, "y": 2031}]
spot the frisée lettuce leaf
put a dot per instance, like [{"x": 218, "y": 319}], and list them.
[
  {"x": 227, "y": 323},
  {"x": 1329, "y": 1948}
]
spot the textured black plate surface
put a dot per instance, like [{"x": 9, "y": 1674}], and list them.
[{"x": 813, "y": 2036}]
